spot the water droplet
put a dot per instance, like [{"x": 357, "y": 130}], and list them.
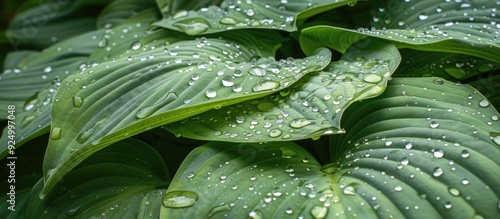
[
  {"x": 211, "y": 93},
  {"x": 227, "y": 21},
  {"x": 257, "y": 71},
  {"x": 287, "y": 152},
  {"x": 227, "y": 81},
  {"x": 47, "y": 69},
  {"x": 240, "y": 119},
  {"x": 423, "y": 16},
  {"x": 237, "y": 88},
  {"x": 147, "y": 111},
  {"x": 265, "y": 86},
  {"x": 434, "y": 124},
  {"x": 273, "y": 68},
  {"x": 179, "y": 199},
  {"x": 398, "y": 188},
  {"x": 465, "y": 154},
  {"x": 250, "y": 12},
  {"x": 56, "y": 133},
  {"x": 349, "y": 190},
  {"x": 255, "y": 214},
  {"x": 465, "y": 182},
  {"x": 486, "y": 68},
  {"x": 495, "y": 136},
  {"x": 438, "y": 153},
  {"x": 319, "y": 212},
  {"x": 408, "y": 145},
  {"x": 484, "y": 103},
  {"x": 372, "y": 78},
  {"x": 437, "y": 172},
  {"x": 299, "y": 123},
  {"x": 179, "y": 14},
  {"x": 193, "y": 26},
  {"x": 102, "y": 43},
  {"x": 77, "y": 101},
  {"x": 405, "y": 161},
  {"x": 73, "y": 211},
  {"x": 454, "y": 192},
  {"x": 136, "y": 45},
  {"x": 289, "y": 211},
  {"x": 217, "y": 210},
  {"x": 438, "y": 81},
  {"x": 448, "y": 205},
  {"x": 275, "y": 133},
  {"x": 190, "y": 175}
]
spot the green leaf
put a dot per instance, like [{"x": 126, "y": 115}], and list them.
[
  {"x": 421, "y": 28},
  {"x": 124, "y": 180},
  {"x": 229, "y": 15},
  {"x": 444, "y": 65},
  {"x": 51, "y": 22},
  {"x": 489, "y": 86},
  {"x": 426, "y": 148},
  {"x": 310, "y": 108},
  {"x": 118, "y": 11},
  {"x": 133, "y": 94}
]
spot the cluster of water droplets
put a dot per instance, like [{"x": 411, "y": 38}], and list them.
[{"x": 39, "y": 104}]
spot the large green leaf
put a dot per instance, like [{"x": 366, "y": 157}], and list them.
[
  {"x": 118, "y": 11},
  {"x": 310, "y": 108},
  {"x": 405, "y": 155},
  {"x": 195, "y": 19},
  {"x": 474, "y": 33},
  {"x": 428, "y": 145},
  {"x": 133, "y": 94},
  {"x": 125, "y": 180},
  {"x": 51, "y": 22}
]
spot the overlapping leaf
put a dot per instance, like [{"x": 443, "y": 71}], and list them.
[
  {"x": 446, "y": 33},
  {"x": 405, "y": 156},
  {"x": 118, "y": 11},
  {"x": 428, "y": 145},
  {"x": 195, "y": 19},
  {"x": 133, "y": 94},
  {"x": 310, "y": 108},
  {"x": 125, "y": 180}
]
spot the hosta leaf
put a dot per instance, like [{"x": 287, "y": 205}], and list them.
[
  {"x": 228, "y": 15},
  {"x": 119, "y": 11},
  {"x": 469, "y": 30},
  {"x": 37, "y": 71},
  {"x": 133, "y": 94},
  {"x": 489, "y": 85},
  {"x": 310, "y": 108},
  {"x": 444, "y": 65},
  {"x": 426, "y": 148},
  {"x": 124, "y": 180},
  {"x": 51, "y": 22}
]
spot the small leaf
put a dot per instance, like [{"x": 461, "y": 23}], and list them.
[{"x": 310, "y": 108}]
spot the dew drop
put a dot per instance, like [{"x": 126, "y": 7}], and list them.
[
  {"x": 211, "y": 93},
  {"x": 255, "y": 214},
  {"x": 136, "y": 45},
  {"x": 193, "y": 26},
  {"x": 423, "y": 16},
  {"x": 448, "y": 205},
  {"x": 73, "y": 211},
  {"x": 372, "y": 78},
  {"x": 47, "y": 69},
  {"x": 299, "y": 123},
  {"x": 465, "y": 153},
  {"x": 103, "y": 43},
  {"x": 349, "y": 190},
  {"x": 190, "y": 175},
  {"x": 240, "y": 119},
  {"x": 437, "y": 172},
  {"x": 484, "y": 103},
  {"x": 405, "y": 161},
  {"x": 179, "y": 199},
  {"x": 275, "y": 133},
  {"x": 257, "y": 71},
  {"x": 227, "y": 81},
  {"x": 319, "y": 212},
  {"x": 486, "y": 68},
  {"x": 438, "y": 81},
  {"x": 495, "y": 136},
  {"x": 77, "y": 101},
  {"x": 454, "y": 192},
  {"x": 265, "y": 86},
  {"x": 287, "y": 152},
  {"x": 434, "y": 124},
  {"x": 227, "y": 21},
  {"x": 56, "y": 133},
  {"x": 438, "y": 153},
  {"x": 408, "y": 145},
  {"x": 179, "y": 14},
  {"x": 398, "y": 188},
  {"x": 217, "y": 210},
  {"x": 237, "y": 88},
  {"x": 147, "y": 111}
]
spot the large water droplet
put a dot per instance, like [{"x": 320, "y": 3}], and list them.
[
  {"x": 265, "y": 86},
  {"x": 136, "y": 45},
  {"x": 299, "y": 123},
  {"x": 257, "y": 71},
  {"x": 85, "y": 135},
  {"x": 227, "y": 81},
  {"x": 484, "y": 103},
  {"x": 437, "y": 172},
  {"x": 495, "y": 136},
  {"x": 448, "y": 205},
  {"x": 193, "y": 26},
  {"x": 56, "y": 133},
  {"x": 179, "y": 199},
  {"x": 454, "y": 191},
  {"x": 77, "y": 101},
  {"x": 434, "y": 124},
  {"x": 287, "y": 152},
  {"x": 147, "y": 111},
  {"x": 319, "y": 212},
  {"x": 438, "y": 153},
  {"x": 275, "y": 133},
  {"x": 255, "y": 214},
  {"x": 423, "y": 16},
  {"x": 372, "y": 78},
  {"x": 211, "y": 93},
  {"x": 47, "y": 69},
  {"x": 465, "y": 153},
  {"x": 227, "y": 21}
]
